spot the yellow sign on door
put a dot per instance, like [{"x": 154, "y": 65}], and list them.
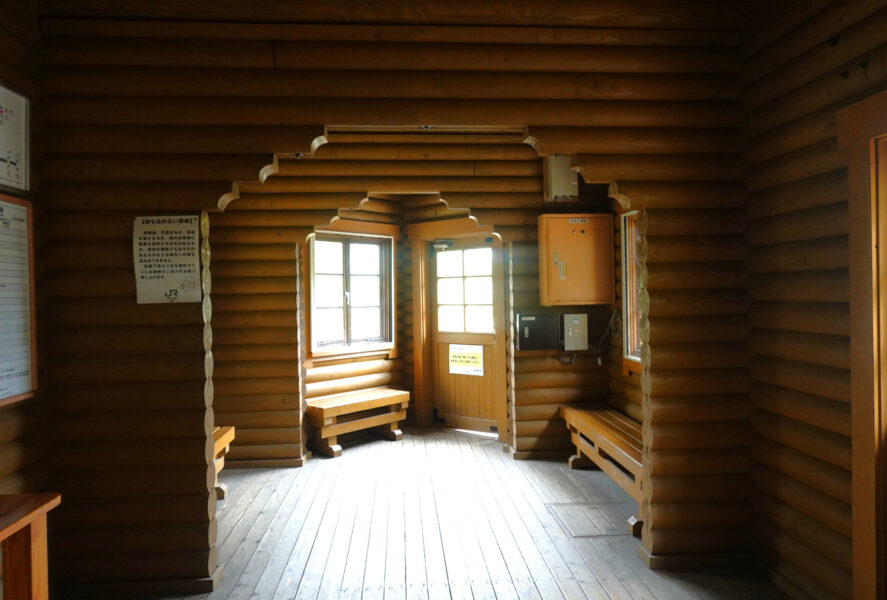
[{"x": 466, "y": 359}]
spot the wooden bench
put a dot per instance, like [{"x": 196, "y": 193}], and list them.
[
  {"x": 222, "y": 438},
  {"x": 23, "y": 533},
  {"x": 335, "y": 415},
  {"x": 610, "y": 440}
]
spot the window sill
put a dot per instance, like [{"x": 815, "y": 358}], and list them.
[
  {"x": 334, "y": 354},
  {"x": 631, "y": 365}
]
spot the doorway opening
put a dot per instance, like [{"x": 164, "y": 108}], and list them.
[
  {"x": 467, "y": 323},
  {"x": 862, "y": 132}
]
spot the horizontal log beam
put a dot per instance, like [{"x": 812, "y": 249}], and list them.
[
  {"x": 817, "y": 411},
  {"x": 827, "y": 350},
  {"x": 805, "y": 499},
  {"x": 604, "y": 168},
  {"x": 826, "y": 478},
  {"x": 387, "y": 33},
  {"x": 97, "y": 110},
  {"x": 573, "y": 13},
  {"x": 810, "y": 317}
]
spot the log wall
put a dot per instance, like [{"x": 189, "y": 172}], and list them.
[
  {"x": 135, "y": 125},
  {"x": 798, "y": 73},
  {"x": 24, "y": 465},
  {"x": 691, "y": 397}
]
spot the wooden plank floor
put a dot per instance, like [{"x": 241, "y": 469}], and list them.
[{"x": 442, "y": 514}]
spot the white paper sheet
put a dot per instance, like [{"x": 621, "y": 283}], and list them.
[
  {"x": 166, "y": 258},
  {"x": 15, "y": 302},
  {"x": 466, "y": 359},
  {"x": 13, "y": 139}
]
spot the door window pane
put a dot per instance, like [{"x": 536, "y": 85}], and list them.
[
  {"x": 449, "y": 263},
  {"x": 478, "y": 290},
  {"x": 451, "y": 318},
  {"x": 364, "y": 259},
  {"x": 479, "y": 261},
  {"x": 366, "y": 324},
  {"x": 479, "y": 319},
  {"x": 449, "y": 291},
  {"x": 329, "y": 326},
  {"x": 365, "y": 290},
  {"x": 327, "y": 257},
  {"x": 328, "y": 290},
  {"x": 465, "y": 290}
]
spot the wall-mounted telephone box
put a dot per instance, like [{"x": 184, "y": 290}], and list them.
[
  {"x": 576, "y": 259},
  {"x": 537, "y": 332}
]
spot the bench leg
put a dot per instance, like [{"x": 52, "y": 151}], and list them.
[
  {"x": 330, "y": 446},
  {"x": 25, "y": 571},
  {"x": 391, "y": 432},
  {"x": 221, "y": 490},
  {"x": 634, "y": 526},
  {"x": 578, "y": 461}
]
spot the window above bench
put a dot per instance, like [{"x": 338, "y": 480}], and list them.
[
  {"x": 631, "y": 313},
  {"x": 352, "y": 293}
]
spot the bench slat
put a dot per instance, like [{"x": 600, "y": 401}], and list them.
[
  {"x": 611, "y": 440},
  {"x": 609, "y": 424},
  {"x": 222, "y": 437},
  {"x": 366, "y": 423},
  {"x": 332, "y": 406}
]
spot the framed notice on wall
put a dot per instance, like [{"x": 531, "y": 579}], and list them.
[
  {"x": 14, "y": 139},
  {"x": 18, "y": 351}
]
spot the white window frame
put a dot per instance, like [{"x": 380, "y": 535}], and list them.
[
  {"x": 628, "y": 354},
  {"x": 388, "y": 296}
]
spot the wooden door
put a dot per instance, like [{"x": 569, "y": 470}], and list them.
[
  {"x": 862, "y": 134},
  {"x": 468, "y": 333}
]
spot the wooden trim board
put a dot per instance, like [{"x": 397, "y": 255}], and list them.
[{"x": 862, "y": 133}]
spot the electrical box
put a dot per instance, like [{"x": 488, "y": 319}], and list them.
[
  {"x": 575, "y": 331},
  {"x": 537, "y": 332},
  {"x": 560, "y": 181},
  {"x": 576, "y": 259}
]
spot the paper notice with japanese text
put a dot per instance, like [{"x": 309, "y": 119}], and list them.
[
  {"x": 466, "y": 359},
  {"x": 165, "y": 253},
  {"x": 16, "y": 362}
]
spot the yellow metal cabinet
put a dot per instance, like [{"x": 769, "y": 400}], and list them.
[{"x": 576, "y": 259}]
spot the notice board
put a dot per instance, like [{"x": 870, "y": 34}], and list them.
[
  {"x": 166, "y": 258},
  {"x": 18, "y": 355},
  {"x": 14, "y": 139}
]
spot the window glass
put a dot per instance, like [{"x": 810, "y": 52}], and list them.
[
  {"x": 465, "y": 290},
  {"x": 329, "y": 326},
  {"x": 329, "y": 291},
  {"x": 631, "y": 288},
  {"x": 449, "y": 291},
  {"x": 449, "y": 263},
  {"x": 479, "y": 319},
  {"x": 478, "y": 290},
  {"x": 451, "y": 319},
  {"x": 327, "y": 257},
  {"x": 365, "y": 290},
  {"x": 366, "y": 324},
  {"x": 479, "y": 261},
  {"x": 364, "y": 259}
]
